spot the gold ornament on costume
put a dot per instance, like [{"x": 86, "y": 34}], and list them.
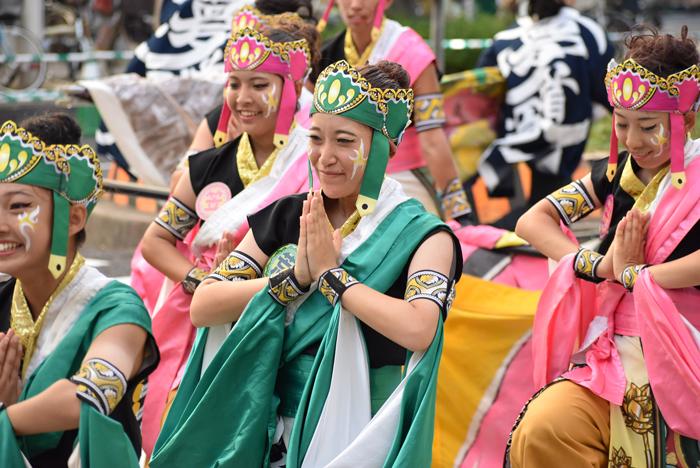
[
  {"x": 22, "y": 320},
  {"x": 352, "y": 55},
  {"x": 643, "y": 194},
  {"x": 248, "y": 169},
  {"x": 620, "y": 459}
]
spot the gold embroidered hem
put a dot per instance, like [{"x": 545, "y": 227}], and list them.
[
  {"x": 643, "y": 194},
  {"x": 22, "y": 321},
  {"x": 632, "y": 427},
  {"x": 248, "y": 169},
  {"x": 352, "y": 55}
]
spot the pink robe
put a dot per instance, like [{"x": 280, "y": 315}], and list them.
[{"x": 571, "y": 310}]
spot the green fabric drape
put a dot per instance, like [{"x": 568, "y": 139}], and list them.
[
  {"x": 229, "y": 415},
  {"x": 103, "y": 440}
]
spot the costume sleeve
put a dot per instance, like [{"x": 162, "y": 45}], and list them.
[
  {"x": 601, "y": 185},
  {"x": 213, "y": 119},
  {"x": 120, "y": 304},
  {"x": 277, "y": 224}
]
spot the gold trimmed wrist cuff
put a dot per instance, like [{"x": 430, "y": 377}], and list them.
[
  {"x": 629, "y": 275},
  {"x": 586, "y": 265},
  {"x": 193, "y": 279},
  {"x": 454, "y": 200},
  {"x": 284, "y": 287},
  {"x": 100, "y": 384},
  {"x": 334, "y": 283}
]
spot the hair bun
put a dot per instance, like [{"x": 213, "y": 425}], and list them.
[
  {"x": 396, "y": 72},
  {"x": 662, "y": 54}
]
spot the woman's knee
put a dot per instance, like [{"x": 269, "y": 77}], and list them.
[{"x": 566, "y": 420}]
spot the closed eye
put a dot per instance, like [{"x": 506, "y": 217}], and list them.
[
  {"x": 19, "y": 206},
  {"x": 648, "y": 129}
]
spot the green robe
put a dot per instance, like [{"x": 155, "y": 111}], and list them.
[
  {"x": 103, "y": 442},
  {"x": 228, "y": 416}
]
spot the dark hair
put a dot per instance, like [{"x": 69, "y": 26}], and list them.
[
  {"x": 541, "y": 9},
  {"x": 662, "y": 54},
  {"x": 386, "y": 75},
  {"x": 57, "y": 128},
  {"x": 289, "y": 28},
  {"x": 303, "y": 8},
  {"x": 54, "y": 128}
]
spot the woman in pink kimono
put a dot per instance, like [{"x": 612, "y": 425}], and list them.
[{"x": 616, "y": 332}]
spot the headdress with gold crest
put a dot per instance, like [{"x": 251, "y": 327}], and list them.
[
  {"x": 376, "y": 25},
  {"x": 72, "y": 172},
  {"x": 249, "y": 50},
  {"x": 631, "y": 86},
  {"x": 341, "y": 90}
]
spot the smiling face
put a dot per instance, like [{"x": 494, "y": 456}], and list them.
[
  {"x": 25, "y": 228},
  {"x": 358, "y": 15},
  {"x": 254, "y": 99},
  {"x": 338, "y": 149},
  {"x": 646, "y": 135}
]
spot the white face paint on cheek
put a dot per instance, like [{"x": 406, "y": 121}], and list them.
[
  {"x": 28, "y": 221},
  {"x": 270, "y": 100},
  {"x": 661, "y": 140},
  {"x": 360, "y": 158}
]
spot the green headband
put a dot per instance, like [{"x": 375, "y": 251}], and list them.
[
  {"x": 72, "y": 172},
  {"x": 341, "y": 90}
]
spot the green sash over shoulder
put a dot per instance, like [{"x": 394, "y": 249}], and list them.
[
  {"x": 228, "y": 417},
  {"x": 103, "y": 442}
]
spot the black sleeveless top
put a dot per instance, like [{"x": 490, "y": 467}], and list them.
[{"x": 277, "y": 225}]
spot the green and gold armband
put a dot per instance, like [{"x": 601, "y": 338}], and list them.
[
  {"x": 193, "y": 279},
  {"x": 454, "y": 200},
  {"x": 427, "y": 284},
  {"x": 177, "y": 218},
  {"x": 428, "y": 112},
  {"x": 100, "y": 384},
  {"x": 334, "y": 283},
  {"x": 237, "y": 267},
  {"x": 284, "y": 287},
  {"x": 629, "y": 275},
  {"x": 572, "y": 202},
  {"x": 586, "y": 265}
]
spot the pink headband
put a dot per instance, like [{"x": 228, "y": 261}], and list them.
[
  {"x": 249, "y": 50},
  {"x": 376, "y": 27},
  {"x": 631, "y": 86}
]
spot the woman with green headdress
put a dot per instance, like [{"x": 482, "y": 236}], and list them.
[
  {"x": 330, "y": 294},
  {"x": 74, "y": 365}
]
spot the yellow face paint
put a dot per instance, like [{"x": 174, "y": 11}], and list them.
[
  {"x": 270, "y": 101},
  {"x": 359, "y": 159},
  {"x": 28, "y": 221},
  {"x": 660, "y": 141}
]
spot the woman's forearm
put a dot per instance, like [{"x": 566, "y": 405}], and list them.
[
  {"x": 55, "y": 409},
  {"x": 163, "y": 255},
  {"x": 220, "y": 302},
  {"x": 681, "y": 273},
  {"x": 411, "y": 325},
  {"x": 438, "y": 155},
  {"x": 540, "y": 227}
]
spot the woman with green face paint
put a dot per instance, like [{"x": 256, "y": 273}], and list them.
[
  {"x": 75, "y": 362},
  {"x": 371, "y": 37},
  {"x": 358, "y": 280}
]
